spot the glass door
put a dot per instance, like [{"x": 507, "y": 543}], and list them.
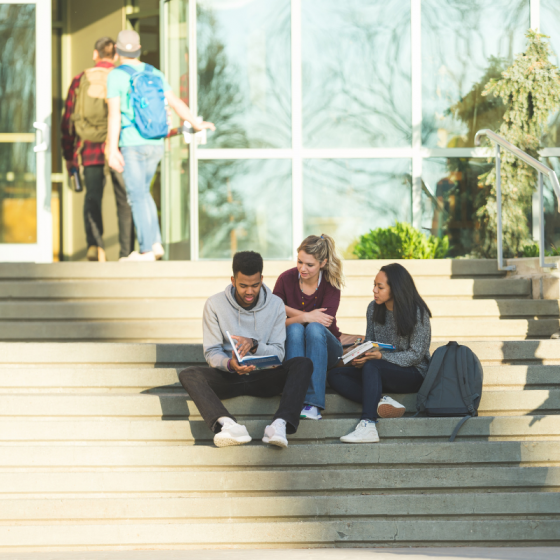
[{"x": 25, "y": 119}]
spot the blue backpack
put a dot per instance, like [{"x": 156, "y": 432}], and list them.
[{"x": 148, "y": 102}]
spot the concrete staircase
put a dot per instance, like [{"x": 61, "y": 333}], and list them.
[
  {"x": 101, "y": 449},
  {"x": 163, "y": 302}
]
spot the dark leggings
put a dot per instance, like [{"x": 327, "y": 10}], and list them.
[{"x": 367, "y": 385}]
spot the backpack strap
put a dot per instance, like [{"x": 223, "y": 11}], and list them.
[
  {"x": 433, "y": 370},
  {"x": 464, "y": 385},
  {"x": 458, "y": 427},
  {"x": 131, "y": 72}
]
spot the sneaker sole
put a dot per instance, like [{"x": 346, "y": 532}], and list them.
[
  {"x": 304, "y": 417},
  {"x": 278, "y": 442},
  {"x": 369, "y": 441},
  {"x": 228, "y": 442},
  {"x": 390, "y": 411}
]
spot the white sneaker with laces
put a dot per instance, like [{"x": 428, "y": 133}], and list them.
[
  {"x": 310, "y": 412},
  {"x": 365, "y": 432},
  {"x": 139, "y": 257},
  {"x": 275, "y": 434},
  {"x": 390, "y": 408},
  {"x": 232, "y": 434},
  {"x": 158, "y": 250}
]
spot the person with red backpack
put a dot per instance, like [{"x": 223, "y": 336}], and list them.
[
  {"x": 84, "y": 132},
  {"x": 138, "y": 96}
]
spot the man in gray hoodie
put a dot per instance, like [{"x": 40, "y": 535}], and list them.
[{"x": 255, "y": 318}]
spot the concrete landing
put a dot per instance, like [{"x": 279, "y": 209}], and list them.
[{"x": 470, "y": 553}]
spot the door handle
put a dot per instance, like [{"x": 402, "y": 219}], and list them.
[
  {"x": 43, "y": 128},
  {"x": 188, "y": 133}
]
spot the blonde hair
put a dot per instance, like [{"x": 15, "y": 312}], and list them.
[{"x": 322, "y": 247}]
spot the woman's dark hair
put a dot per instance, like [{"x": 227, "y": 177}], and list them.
[
  {"x": 406, "y": 300},
  {"x": 247, "y": 262}
]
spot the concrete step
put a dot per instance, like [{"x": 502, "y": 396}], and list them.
[
  {"x": 177, "y": 405},
  {"x": 222, "y": 269},
  {"x": 307, "y": 534},
  {"x": 257, "y": 481},
  {"x": 192, "y": 308},
  {"x": 245, "y": 509},
  {"x": 173, "y": 432},
  {"x": 166, "y": 288},
  {"x": 148, "y": 379},
  {"x": 188, "y": 457},
  {"x": 60, "y": 354},
  {"x": 190, "y": 330}
]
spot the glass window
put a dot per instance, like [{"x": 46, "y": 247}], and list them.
[
  {"x": 464, "y": 44},
  {"x": 356, "y": 73},
  {"x": 450, "y": 197},
  {"x": 551, "y": 215},
  {"x": 244, "y": 72},
  {"x": 550, "y": 25},
  {"x": 245, "y": 205},
  {"x": 18, "y": 197},
  {"x": 346, "y": 198}
]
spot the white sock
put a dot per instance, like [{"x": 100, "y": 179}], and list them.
[
  {"x": 225, "y": 421},
  {"x": 279, "y": 423}
]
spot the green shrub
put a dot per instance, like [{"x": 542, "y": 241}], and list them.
[
  {"x": 401, "y": 241},
  {"x": 532, "y": 250}
]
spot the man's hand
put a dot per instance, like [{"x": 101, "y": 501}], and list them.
[
  {"x": 197, "y": 127},
  {"x": 319, "y": 316},
  {"x": 361, "y": 360},
  {"x": 116, "y": 160},
  {"x": 243, "y": 345},
  {"x": 240, "y": 370}
]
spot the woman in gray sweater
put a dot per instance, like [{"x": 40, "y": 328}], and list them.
[{"x": 400, "y": 317}]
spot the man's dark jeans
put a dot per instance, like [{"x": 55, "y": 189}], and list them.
[
  {"x": 208, "y": 386},
  {"x": 95, "y": 178}
]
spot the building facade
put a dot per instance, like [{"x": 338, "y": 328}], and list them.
[{"x": 332, "y": 117}]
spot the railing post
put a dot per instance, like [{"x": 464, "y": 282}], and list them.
[
  {"x": 541, "y": 225},
  {"x": 499, "y": 207},
  {"x": 499, "y": 211}
]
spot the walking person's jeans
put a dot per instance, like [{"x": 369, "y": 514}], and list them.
[
  {"x": 367, "y": 385},
  {"x": 316, "y": 342},
  {"x": 140, "y": 165},
  {"x": 208, "y": 386}
]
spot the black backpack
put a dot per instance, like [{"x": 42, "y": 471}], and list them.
[{"x": 453, "y": 384}]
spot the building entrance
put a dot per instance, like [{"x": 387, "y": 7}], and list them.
[{"x": 25, "y": 119}]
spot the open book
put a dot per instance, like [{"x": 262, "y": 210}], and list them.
[
  {"x": 363, "y": 348},
  {"x": 260, "y": 362}
]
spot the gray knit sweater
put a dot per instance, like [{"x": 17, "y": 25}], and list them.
[{"x": 411, "y": 350}]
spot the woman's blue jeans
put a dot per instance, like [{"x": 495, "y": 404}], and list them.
[
  {"x": 140, "y": 165},
  {"x": 316, "y": 342}
]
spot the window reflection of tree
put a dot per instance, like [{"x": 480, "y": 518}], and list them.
[
  {"x": 355, "y": 196},
  {"x": 357, "y": 94},
  {"x": 17, "y": 109},
  {"x": 225, "y": 215},
  {"x": 459, "y": 41}
]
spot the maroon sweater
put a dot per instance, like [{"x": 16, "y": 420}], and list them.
[{"x": 287, "y": 288}]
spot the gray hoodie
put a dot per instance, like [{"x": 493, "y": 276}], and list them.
[{"x": 266, "y": 322}]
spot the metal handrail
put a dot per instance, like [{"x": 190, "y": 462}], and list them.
[{"x": 542, "y": 170}]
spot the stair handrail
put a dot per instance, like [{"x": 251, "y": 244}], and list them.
[{"x": 541, "y": 168}]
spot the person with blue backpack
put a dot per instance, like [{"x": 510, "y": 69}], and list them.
[{"x": 138, "y": 96}]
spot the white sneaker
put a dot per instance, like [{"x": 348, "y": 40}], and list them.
[
  {"x": 232, "y": 434},
  {"x": 275, "y": 434},
  {"x": 365, "y": 432},
  {"x": 390, "y": 408},
  {"x": 158, "y": 250},
  {"x": 139, "y": 257},
  {"x": 310, "y": 412}
]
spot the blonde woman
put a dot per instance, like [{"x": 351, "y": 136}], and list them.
[{"x": 311, "y": 295}]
